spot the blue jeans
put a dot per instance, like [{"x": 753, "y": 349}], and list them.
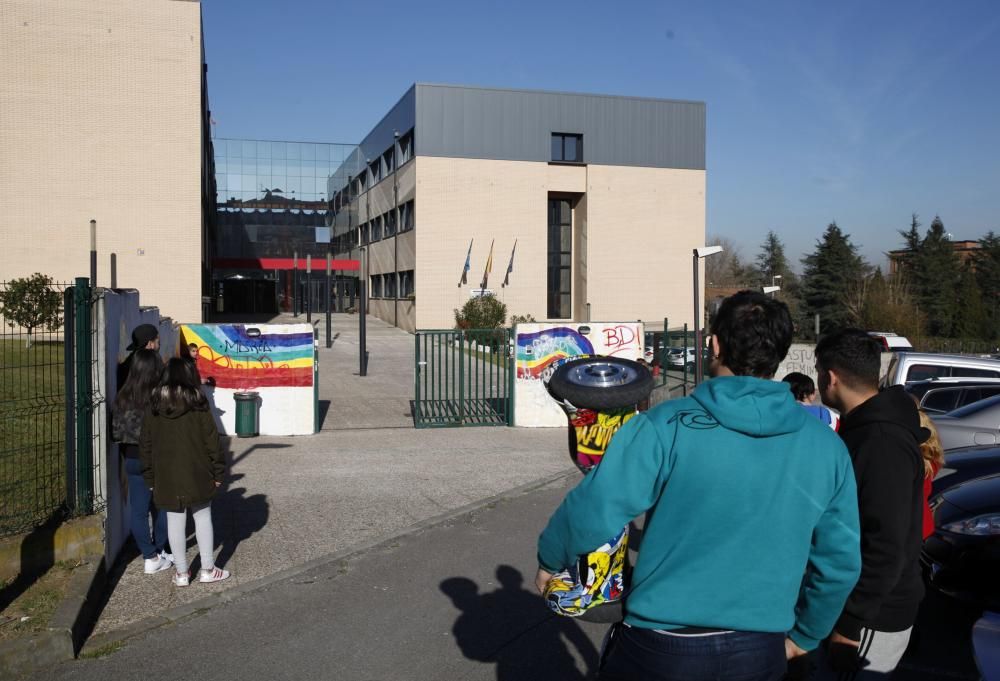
[
  {"x": 635, "y": 653},
  {"x": 140, "y": 501}
]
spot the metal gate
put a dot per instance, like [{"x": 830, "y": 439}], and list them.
[{"x": 463, "y": 378}]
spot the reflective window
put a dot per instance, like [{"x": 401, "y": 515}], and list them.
[
  {"x": 559, "y": 284},
  {"x": 567, "y": 147}
]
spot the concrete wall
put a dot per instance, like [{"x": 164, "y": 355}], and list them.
[
  {"x": 100, "y": 118},
  {"x": 641, "y": 224},
  {"x": 541, "y": 348},
  {"x": 117, "y": 313},
  {"x": 277, "y": 363}
]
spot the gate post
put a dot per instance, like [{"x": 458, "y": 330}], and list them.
[
  {"x": 69, "y": 387},
  {"x": 461, "y": 377},
  {"x": 82, "y": 499}
]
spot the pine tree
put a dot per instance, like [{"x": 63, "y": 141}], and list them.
[
  {"x": 911, "y": 242},
  {"x": 936, "y": 275},
  {"x": 830, "y": 271},
  {"x": 986, "y": 262},
  {"x": 970, "y": 318}
]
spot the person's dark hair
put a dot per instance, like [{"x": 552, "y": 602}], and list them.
[
  {"x": 802, "y": 386},
  {"x": 853, "y": 354},
  {"x": 754, "y": 333},
  {"x": 179, "y": 389},
  {"x": 143, "y": 376}
]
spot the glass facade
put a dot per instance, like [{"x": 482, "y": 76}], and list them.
[{"x": 271, "y": 198}]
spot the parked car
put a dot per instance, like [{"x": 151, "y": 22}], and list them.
[
  {"x": 920, "y": 388},
  {"x": 962, "y": 557},
  {"x": 891, "y": 342},
  {"x": 966, "y": 463},
  {"x": 944, "y": 400},
  {"x": 679, "y": 357},
  {"x": 974, "y": 424},
  {"x": 905, "y": 367}
]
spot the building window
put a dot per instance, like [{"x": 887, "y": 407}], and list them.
[
  {"x": 376, "y": 285},
  {"x": 406, "y": 217},
  {"x": 387, "y": 161},
  {"x": 390, "y": 223},
  {"x": 405, "y": 147},
  {"x": 365, "y": 234},
  {"x": 406, "y": 284},
  {"x": 560, "y": 258},
  {"x": 376, "y": 233},
  {"x": 374, "y": 172},
  {"x": 567, "y": 148},
  {"x": 390, "y": 285}
]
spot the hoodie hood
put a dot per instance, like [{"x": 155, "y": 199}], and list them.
[
  {"x": 893, "y": 405},
  {"x": 171, "y": 414},
  {"x": 754, "y": 406}
]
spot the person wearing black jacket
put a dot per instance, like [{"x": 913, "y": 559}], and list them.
[{"x": 883, "y": 435}]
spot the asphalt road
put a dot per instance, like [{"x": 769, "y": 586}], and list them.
[{"x": 453, "y": 601}]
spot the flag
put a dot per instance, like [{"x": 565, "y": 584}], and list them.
[
  {"x": 510, "y": 266},
  {"x": 489, "y": 268},
  {"x": 465, "y": 270}
]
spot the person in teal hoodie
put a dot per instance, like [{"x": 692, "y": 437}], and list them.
[{"x": 751, "y": 541}]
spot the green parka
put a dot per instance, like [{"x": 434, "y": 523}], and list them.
[{"x": 181, "y": 459}]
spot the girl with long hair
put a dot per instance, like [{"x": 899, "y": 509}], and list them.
[
  {"x": 127, "y": 413},
  {"x": 182, "y": 463},
  {"x": 933, "y": 456}
]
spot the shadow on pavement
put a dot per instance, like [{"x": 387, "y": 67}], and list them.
[
  {"x": 511, "y": 628},
  {"x": 235, "y": 517}
]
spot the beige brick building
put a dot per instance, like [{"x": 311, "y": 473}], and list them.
[
  {"x": 103, "y": 115},
  {"x": 604, "y": 196}
]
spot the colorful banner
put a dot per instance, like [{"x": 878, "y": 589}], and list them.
[{"x": 238, "y": 361}]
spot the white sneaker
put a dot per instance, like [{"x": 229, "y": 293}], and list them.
[
  {"x": 167, "y": 556},
  {"x": 213, "y": 575},
  {"x": 182, "y": 579},
  {"x": 154, "y": 565}
]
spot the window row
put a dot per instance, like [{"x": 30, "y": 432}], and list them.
[
  {"x": 376, "y": 171},
  {"x": 384, "y": 226},
  {"x": 386, "y": 285}
]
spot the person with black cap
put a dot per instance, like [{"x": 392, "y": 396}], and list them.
[{"x": 144, "y": 337}]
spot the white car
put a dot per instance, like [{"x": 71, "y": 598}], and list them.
[{"x": 679, "y": 357}]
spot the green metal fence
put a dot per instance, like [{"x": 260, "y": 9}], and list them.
[
  {"x": 47, "y": 463},
  {"x": 463, "y": 378}
]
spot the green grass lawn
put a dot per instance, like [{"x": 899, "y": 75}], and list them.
[{"x": 32, "y": 433}]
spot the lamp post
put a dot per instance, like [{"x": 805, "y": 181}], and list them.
[
  {"x": 775, "y": 288},
  {"x": 362, "y": 311},
  {"x": 699, "y": 317}
]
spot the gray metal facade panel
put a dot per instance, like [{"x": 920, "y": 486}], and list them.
[
  {"x": 517, "y": 125},
  {"x": 401, "y": 119}
]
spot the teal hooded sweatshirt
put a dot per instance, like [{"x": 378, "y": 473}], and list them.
[{"x": 752, "y": 520}]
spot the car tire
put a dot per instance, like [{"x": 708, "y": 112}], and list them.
[{"x": 601, "y": 383}]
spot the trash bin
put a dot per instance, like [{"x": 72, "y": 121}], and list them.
[{"x": 247, "y": 414}]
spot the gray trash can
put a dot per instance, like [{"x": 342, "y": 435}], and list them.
[{"x": 247, "y": 414}]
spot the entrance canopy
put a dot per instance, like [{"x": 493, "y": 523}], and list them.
[{"x": 284, "y": 264}]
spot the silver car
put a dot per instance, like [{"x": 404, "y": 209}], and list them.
[{"x": 974, "y": 424}]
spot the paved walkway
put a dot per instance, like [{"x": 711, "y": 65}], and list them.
[
  {"x": 452, "y": 601},
  {"x": 367, "y": 474}
]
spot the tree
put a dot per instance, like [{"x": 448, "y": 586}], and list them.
[
  {"x": 482, "y": 312},
  {"x": 970, "y": 320},
  {"x": 911, "y": 243},
  {"x": 726, "y": 268},
  {"x": 771, "y": 261},
  {"x": 830, "y": 271},
  {"x": 31, "y": 303},
  {"x": 986, "y": 263},
  {"x": 884, "y": 303},
  {"x": 936, "y": 273}
]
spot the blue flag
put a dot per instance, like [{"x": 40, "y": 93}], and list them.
[{"x": 465, "y": 270}]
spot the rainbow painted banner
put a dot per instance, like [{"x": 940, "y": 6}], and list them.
[
  {"x": 238, "y": 361},
  {"x": 537, "y": 351}
]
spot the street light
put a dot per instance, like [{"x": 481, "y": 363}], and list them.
[
  {"x": 773, "y": 278},
  {"x": 699, "y": 317}
]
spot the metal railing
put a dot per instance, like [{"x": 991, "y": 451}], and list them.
[
  {"x": 463, "y": 378},
  {"x": 47, "y": 463},
  {"x": 32, "y": 421}
]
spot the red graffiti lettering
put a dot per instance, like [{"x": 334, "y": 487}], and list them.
[{"x": 617, "y": 336}]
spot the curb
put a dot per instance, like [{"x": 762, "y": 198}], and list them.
[
  {"x": 200, "y": 606},
  {"x": 67, "y": 628}
]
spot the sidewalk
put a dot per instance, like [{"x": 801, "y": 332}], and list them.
[{"x": 367, "y": 474}]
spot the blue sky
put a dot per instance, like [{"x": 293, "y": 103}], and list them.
[{"x": 859, "y": 112}]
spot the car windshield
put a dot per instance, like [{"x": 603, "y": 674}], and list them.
[{"x": 975, "y": 407}]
